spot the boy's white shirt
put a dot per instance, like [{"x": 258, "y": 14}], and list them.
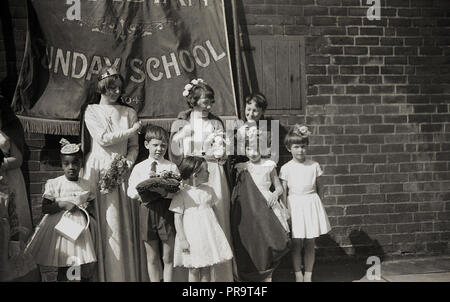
[{"x": 141, "y": 172}]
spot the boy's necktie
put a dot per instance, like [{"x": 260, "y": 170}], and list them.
[{"x": 153, "y": 168}]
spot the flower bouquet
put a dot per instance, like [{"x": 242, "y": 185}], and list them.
[
  {"x": 154, "y": 188},
  {"x": 217, "y": 146},
  {"x": 115, "y": 175}
]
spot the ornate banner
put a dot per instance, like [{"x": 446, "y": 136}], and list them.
[{"x": 158, "y": 46}]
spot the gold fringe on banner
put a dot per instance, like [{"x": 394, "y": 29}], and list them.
[
  {"x": 49, "y": 126},
  {"x": 71, "y": 127}
]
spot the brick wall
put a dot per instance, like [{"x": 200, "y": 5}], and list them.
[{"x": 378, "y": 104}]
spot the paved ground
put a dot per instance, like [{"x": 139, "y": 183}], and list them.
[{"x": 429, "y": 269}]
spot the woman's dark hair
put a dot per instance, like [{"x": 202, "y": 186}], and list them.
[
  {"x": 107, "y": 82},
  {"x": 190, "y": 165},
  {"x": 197, "y": 92},
  {"x": 93, "y": 97},
  {"x": 259, "y": 99}
]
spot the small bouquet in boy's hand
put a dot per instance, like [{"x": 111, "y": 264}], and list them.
[
  {"x": 115, "y": 175},
  {"x": 156, "y": 187}
]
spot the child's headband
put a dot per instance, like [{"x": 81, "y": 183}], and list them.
[
  {"x": 301, "y": 130},
  {"x": 67, "y": 148},
  {"x": 108, "y": 73}
]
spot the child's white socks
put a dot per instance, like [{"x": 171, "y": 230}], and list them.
[
  {"x": 308, "y": 277},
  {"x": 298, "y": 276}
]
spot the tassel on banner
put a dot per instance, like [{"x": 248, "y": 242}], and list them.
[
  {"x": 71, "y": 127},
  {"x": 49, "y": 126}
]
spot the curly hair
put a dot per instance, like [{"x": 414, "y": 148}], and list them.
[{"x": 197, "y": 92}]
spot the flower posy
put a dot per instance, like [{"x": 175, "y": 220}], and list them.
[
  {"x": 115, "y": 175},
  {"x": 301, "y": 130}
]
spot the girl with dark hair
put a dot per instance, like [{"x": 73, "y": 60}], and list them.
[
  {"x": 56, "y": 243},
  {"x": 110, "y": 128},
  {"x": 195, "y": 133},
  {"x": 308, "y": 216},
  {"x": 200, "y": 242}
]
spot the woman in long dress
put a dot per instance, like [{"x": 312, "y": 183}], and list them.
[
  {"x": 191, "y": 136},
  {"x": 112, "y": 128},
  {"x": 12, "y": 144}
]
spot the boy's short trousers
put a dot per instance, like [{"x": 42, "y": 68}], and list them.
[{"x": 156, "y": 221}]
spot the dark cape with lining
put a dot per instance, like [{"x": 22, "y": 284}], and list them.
[{"x": 259, "y": 239}]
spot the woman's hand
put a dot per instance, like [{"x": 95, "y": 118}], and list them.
[
  {"x": 5, "y": 145},
  {"x": 186, "y": 131},
  {"x": 130, "y": 163},
  {"x": 137, "y": 126},
  {"x": 184, "y": 245}
]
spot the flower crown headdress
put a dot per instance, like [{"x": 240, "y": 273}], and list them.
[
  {"x": 108, "y": 73},
  {"x": 301, "y": 130},
  {"x": 68, "y": 148},
  {"x": 188, "y": 87}
]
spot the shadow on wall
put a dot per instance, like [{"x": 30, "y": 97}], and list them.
[{"x": 333, "y": 263}]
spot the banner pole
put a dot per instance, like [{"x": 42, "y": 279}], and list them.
[{"x": 237, "y": 48}]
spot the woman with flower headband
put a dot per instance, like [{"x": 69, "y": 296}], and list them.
[
  {"x": 108, "y": 129},
  {"x": 198, "y": 132},
  {"x": 308, "y": 217}
]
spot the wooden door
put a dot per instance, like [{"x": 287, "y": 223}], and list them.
[{"x": 278, "y": 63}]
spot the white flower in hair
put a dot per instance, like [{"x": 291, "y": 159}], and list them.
[
  {"x": 188, "y": 87},
  {"x": 301, "y": 130},
  {"x": 185, "y": 93},
  {"x": 195, "y": 82}
]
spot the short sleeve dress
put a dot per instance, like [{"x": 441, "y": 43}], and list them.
[
  {"x": 207, "y": 242},
  {"x": 50, "y": 248},
  {"x": 308, "y": 216},
  {"x": 260, "y": 174}
]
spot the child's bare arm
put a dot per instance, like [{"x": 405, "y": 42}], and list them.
[
  {"x": 285, "y": 190},
  {"x": 320, "y": 187},
  {"x": 277, "y": 183},
  {"x": 180, "y": 232}
]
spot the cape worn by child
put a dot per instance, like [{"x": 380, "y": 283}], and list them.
[{"x": 259, "y": 239}]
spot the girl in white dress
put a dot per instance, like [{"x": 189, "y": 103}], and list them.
[
  {"x": 191, "y": 137},
  {"x": 308, "y": 217},
  {"x": 68, "y": 196},
  {"x": 110, "y": 127},
  {"x": 200, "y": 242}
]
